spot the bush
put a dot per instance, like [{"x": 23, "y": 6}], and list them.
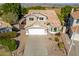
[
  {"x": 61, "y": 45},
  {"x": 11, "y": 43},
  {"x": 8, "y": 35},
  {"x": 56, "y": 39}
]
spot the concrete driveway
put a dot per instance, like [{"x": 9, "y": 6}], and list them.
[{"x": 36, "y": 46}]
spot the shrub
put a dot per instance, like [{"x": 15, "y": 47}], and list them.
[
  {"x": 8, "y": 35},
  {"x": 11, "y": 43},
  {"x": 61, "y": 45},
  {"x": 56, "y": 39}
]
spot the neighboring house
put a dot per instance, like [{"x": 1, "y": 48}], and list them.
[
  {"x": 74, "y": 25},
  {"x": 41, "y": 22},
  {"x": 5, "y": 27}
]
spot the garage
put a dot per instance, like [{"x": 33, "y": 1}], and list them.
[{"x": 37, "y": 31}]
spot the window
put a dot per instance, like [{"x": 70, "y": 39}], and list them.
[
  {"x": 51, "y": 29},
  {"x": 41, "y": 18},
  {"x": 55, "y": 29},
  {"x": 31, "y": 19},
  {"x": 77, "y": 21},
  {"x": 48, "y": 23}
]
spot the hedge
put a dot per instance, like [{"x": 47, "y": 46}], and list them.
[
  {"x": 8, "y": 35},
  {"x": 11, "y": 43}
]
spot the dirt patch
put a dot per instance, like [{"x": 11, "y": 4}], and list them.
[
  {"x": 53, "y": 48},
  {"x": 4, "y": 51}
]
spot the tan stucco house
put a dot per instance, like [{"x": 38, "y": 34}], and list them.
[{"x": 41, "y": 22}]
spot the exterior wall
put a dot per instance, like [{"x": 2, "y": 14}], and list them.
[
  {"x": 75, "y": 36},
  {"x": 52, "y": 29},
  {"x": 29, "y": 22},
  {"x": 36, "y": 20}
]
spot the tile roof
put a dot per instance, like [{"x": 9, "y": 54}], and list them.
[
  {"x": 51, "y": 14},
  {"x": 75, "y": 28},
  {"x": 75, "y": 14}
]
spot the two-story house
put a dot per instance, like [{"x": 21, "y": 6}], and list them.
[
  {"x": 41, "y": 22},
  {"x": 5, "y": 27},
  {"x": 74, "y": 25}
]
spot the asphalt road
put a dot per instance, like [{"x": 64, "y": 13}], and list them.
[{"x": 35, "y": 46}]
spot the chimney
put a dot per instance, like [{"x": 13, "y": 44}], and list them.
[{"x": 72, "y": 10}]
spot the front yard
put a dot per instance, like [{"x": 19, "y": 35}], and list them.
[{"x": 57, "y": 45}]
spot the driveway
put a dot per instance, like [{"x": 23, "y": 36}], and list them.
[{"x": 36, "y": 46}]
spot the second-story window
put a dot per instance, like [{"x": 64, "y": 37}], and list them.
[
  {"x": 41, "y": 18},
  {"x": 31, "y": 19}
]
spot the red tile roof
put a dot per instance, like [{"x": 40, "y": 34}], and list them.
[
  {"x": 75, "y": 14},
  {"x": 75, "y": 28},
  {"x": 51, "y": 14}
]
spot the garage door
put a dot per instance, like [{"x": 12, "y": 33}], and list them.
[{"x": 37, "y": 32}]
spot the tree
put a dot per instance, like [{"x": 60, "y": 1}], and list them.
[
  {"x": 24, "y": 10},
  {"x": 65, "y": 11},
  {"x": 13, "y": 8},
  {"x": 10, "y": 43},
  {"x": 10, "y": 17}
]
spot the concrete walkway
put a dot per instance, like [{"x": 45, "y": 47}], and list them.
[
  {"x": 36, "y": 46},
  {"x": 75, "y": 49}
]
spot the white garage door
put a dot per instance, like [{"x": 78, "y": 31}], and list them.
[{"x": 37, "y": 32}]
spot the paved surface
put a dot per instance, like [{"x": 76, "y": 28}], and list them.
[
  {"x": 36, "y": 46},
  {"x": 75, "y": 49}
]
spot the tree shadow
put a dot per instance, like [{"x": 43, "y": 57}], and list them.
[
  {"x": 17, "y": 43},
  {"x": 18, "y": 34}
]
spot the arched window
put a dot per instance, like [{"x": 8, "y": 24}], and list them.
[
  {"x": 31, "y": 19},
  {"x": 41, "y": 18}
]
